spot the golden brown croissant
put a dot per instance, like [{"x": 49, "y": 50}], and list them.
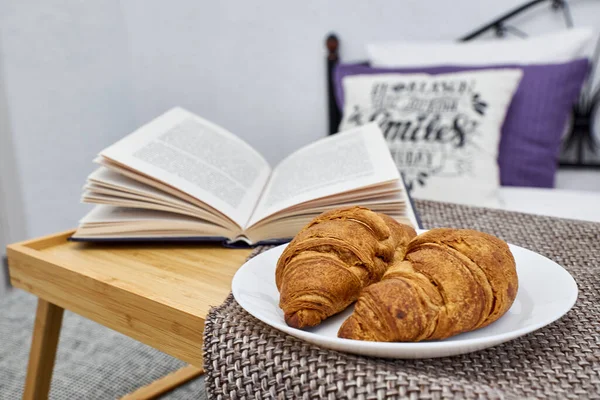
[
  {"x": 450, "y": 281},
  {"x": 323, "y": 270}
]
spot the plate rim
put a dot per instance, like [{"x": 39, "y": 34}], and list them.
[{"x": 407, "y": 346}]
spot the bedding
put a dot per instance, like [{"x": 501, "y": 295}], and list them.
[
  {"x": 555, "y": 66},
  {"x": 559, "y": 203},
  {"x": 578, "y": 179},
  {"x": 555, "y": 54},
  {"x": 534, "y": 124},
  {"x": 443, "y": 131},
  {"x": 556, "y": 47}
]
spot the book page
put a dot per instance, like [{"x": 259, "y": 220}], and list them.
[
  {"x": 343, "y": 162},
  {"x": 104, "y": 177},
  {"x": 113, "y": 185},
  {"x": 109, "y": 221},
  {"x": 198, "y": 158}
]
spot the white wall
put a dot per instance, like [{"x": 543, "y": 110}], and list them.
[
  {"x": 68, "y": 90},
  {"x": 82, "y": 74},
  {"x": 11, "y": 210},
  {"x": 259, "y": 69}
]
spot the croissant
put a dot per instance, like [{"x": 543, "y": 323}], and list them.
[
  {"x": 450, "y": 281},
  {"x": 328, "y": 263}
]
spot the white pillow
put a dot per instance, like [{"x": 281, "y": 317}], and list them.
[
  {"x": 443, "y": 130},
  {"x": 550, "y": 48}
]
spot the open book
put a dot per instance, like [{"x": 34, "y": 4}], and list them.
[{"x": 182, "y": 177}]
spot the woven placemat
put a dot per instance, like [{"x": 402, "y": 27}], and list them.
[{"x": 245, "y": 358}]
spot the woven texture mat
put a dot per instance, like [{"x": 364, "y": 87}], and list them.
[{"x": 245, "y": 358}]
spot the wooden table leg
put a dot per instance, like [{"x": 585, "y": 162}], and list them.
[
  {"x": 165, "y": 384},
  {"x": 44, "y": 342}
]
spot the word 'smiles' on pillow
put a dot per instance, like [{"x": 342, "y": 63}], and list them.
[{"x": 443, "y": 131}]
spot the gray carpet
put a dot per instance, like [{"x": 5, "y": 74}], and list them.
[{"x": 93, "y": 362}]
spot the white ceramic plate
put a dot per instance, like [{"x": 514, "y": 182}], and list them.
[{"x": 546, "y": 293}]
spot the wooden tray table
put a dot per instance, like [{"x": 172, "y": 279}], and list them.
[{"x": 157, "y": 294}]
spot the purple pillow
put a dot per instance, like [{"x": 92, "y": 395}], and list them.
[{"x": 535, "y": 121}]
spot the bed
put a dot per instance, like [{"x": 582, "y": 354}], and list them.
[
  {"x": 576, "y": 194},
  {"x": 561, "y": 203}
]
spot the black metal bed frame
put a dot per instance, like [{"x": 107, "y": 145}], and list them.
[{"x": 580, "y": 134}]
